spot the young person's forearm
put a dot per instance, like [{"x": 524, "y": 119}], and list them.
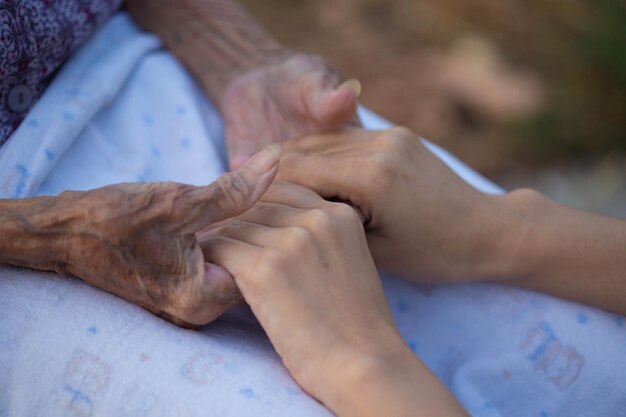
[
  {"x": 390, "y": 385},
  {"x": 216, "y": 39},
  {"x": 566, "y": 252},
  {"x": 31, "y": 236}
]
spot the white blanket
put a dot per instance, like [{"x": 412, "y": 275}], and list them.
[{"x": 125, "y": 110}]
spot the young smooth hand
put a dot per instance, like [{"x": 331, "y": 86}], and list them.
[
  {"x": 425, "y": 223},
  {"x": 422, "y": 221},
  {"x": 303, "y": 266}
]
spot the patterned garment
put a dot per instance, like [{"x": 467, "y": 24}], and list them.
[{"x": 36, "y": 37}]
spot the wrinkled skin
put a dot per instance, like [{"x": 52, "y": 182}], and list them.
[
  {"x": 291, "y": 95},
  {"x": 138, "y": 240}
]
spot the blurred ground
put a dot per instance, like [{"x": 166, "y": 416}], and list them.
[{"x": 528, "y": 92}]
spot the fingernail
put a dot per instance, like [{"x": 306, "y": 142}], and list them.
[
  {"x": 265, "y": 159},
  {"x": 353, "y": 84}
]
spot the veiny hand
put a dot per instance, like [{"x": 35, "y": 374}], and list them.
[
  {"x": 290, "y": 96},
  {"x": 422, "y": 221},
  {"x": 138, "y": 240},
  {"x": 303, "y": 266}
]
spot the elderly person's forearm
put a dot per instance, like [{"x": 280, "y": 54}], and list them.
[
  {"x": 31, "y": 234},
  {"x": 216, "y": 39}
]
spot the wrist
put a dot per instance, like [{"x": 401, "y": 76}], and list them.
[
  {"x": 566, "y": 252},
  {"x": 388, "y": 382},
  {"x": 217, "y": 41},
  {"x": 33, "y": 234},
  {"x": 218, "y": 83},
  {"x": 483, "y": 243},
  {"x": 513, "y": 256},
  {"x": 346, "y": 370}
]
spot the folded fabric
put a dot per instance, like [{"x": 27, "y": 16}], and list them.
[{"x": 125, "y": 110}]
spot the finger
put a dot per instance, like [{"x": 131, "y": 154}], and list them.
[
  {"x": 231, "y": 254},
  {"x": 299, "y": 198},
  {"x": 265, "y": 214},
  {"x": 203, "y": 295},
  {"x": 284, "y": 214},
  {"x": 292, "y": 195},
  {"x": 218, "y": 287},
  {"x": 217, "y": 293},
  {"x": 255, "y": 234},
  {"x": 342, "y": 141},
  {"x": 333, "y": 108},
  {"x": 331, "y": 177},
  {"x": 231, "y": 194},
  {"x": 276, "y": 206}
]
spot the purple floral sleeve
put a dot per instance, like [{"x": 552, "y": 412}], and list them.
[{"x": 36, "y": 37}]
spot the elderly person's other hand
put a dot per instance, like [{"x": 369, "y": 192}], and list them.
[
  {"x": 265, "y": 91},
  {"x": 138, "y": 240},
  {"x": 290, "y": 96}
]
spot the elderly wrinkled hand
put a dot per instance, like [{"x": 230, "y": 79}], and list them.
[
  {"x": 289, "y": 96},
  {"x": 138, "y": 240},
  {"x": 265, "y": 91}
]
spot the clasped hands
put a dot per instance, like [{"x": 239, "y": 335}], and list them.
[{"x": 272, "y": 234}]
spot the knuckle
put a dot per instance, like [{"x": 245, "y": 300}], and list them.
[
  {"x": 311, "y": 62},
  {"x": 400, "y": 132},
  {"x": 394, "y": 140},
  {"x": 344, "y": 213},
  {"x": 296, "y": 238},
  {"x": 394, "y": 147},
  {"x": 525, "y": 196},
  {"x": 155, "y": 201},
  {"x": 319, "y": 219},
  {"x": 168, "y": 190}
]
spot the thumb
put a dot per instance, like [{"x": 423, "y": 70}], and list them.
[
  {"x": 231, "y": 194},
  {"x": 335, "y": 108}
]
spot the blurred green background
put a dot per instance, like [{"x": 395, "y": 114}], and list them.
[{"x": 528, "y": 92}]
